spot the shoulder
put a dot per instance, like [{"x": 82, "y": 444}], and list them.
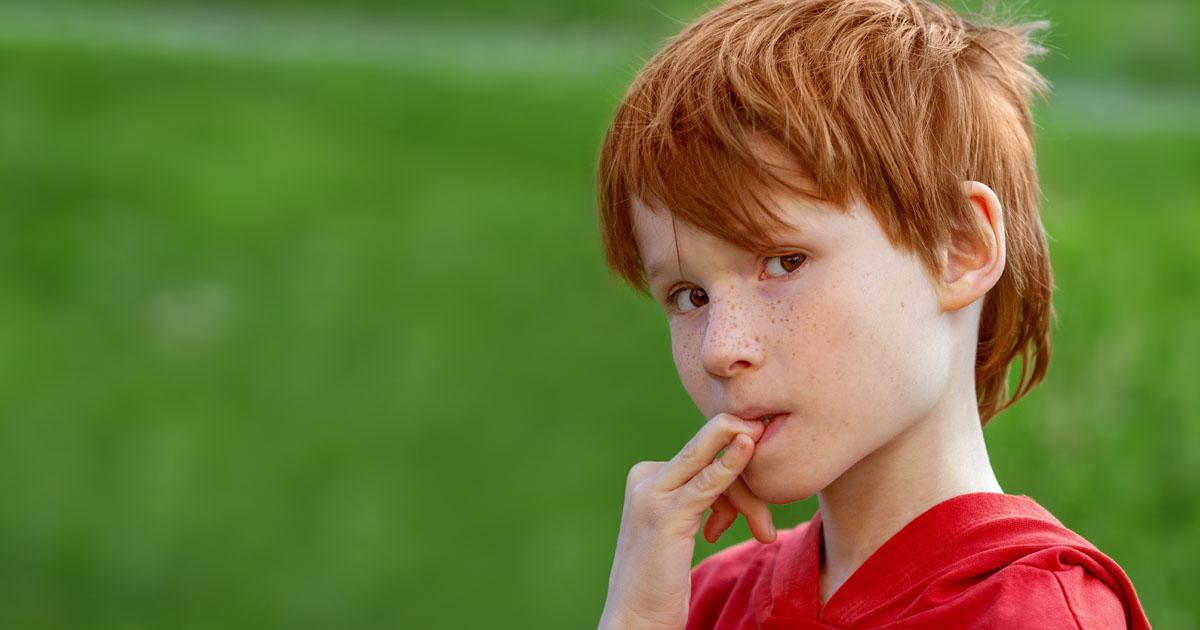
[
  {"x": 1022, "y": 595},
  {"x": 1033, "y": 569}
]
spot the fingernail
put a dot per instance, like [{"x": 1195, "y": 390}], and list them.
[{"x": 771, "y": 528}]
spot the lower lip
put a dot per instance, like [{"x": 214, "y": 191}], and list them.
[{"x": 773, "y": 428}]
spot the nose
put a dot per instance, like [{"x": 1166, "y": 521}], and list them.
[{"x": 731, "y": 343}]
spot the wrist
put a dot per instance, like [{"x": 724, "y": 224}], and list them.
[{"x": 613, "y": 621}]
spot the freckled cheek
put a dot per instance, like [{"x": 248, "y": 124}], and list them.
[
  {"x": 817, "y": 325},
  {"x": 685, "y": 348},
  {"x": 835, "y": 346}
]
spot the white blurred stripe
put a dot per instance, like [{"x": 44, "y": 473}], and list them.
[
  {"x": 492, "y": 51},
  {"x": 1124, "y": 107},
  {"x": 291, "y": 36}
]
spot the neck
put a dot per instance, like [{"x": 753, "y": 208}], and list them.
[{"x": 937, "y": 458}]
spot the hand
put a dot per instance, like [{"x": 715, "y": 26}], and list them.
[{"x": 650, "y": 582}]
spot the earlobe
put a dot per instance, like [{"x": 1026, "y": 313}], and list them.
[{"x": 973, "y": 260}]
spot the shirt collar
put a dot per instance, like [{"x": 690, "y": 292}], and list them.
[{"x": 890, "y": 570}]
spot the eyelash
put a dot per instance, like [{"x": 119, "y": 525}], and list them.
[{"x": 671, "y": 297}]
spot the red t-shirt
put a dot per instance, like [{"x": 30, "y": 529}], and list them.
[{"x": 978, "y": 560}]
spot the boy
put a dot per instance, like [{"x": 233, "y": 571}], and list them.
[{"x": 835, "y": 202}]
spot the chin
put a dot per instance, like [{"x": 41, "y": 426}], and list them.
[{"x": 782, "y": 487}]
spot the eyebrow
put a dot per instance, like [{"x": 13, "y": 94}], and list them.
[
  {"x": 661, "y": 268},
  {"x": 654, "y": 270}
]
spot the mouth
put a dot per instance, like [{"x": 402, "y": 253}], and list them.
[
  {"x": 766, "y": 420},
  {"x": 759, "y": 415}
]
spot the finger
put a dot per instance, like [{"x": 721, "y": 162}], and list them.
[
  {"x": 702, "y": 449},
  {"x": 725, "y": 527},
  {"x": 702, "y": 490},
  {"x": 723, "y": 515},
  {"x": 757, "y": 511},
  {"x": 717, "y": 524},
  {"x": 642, "y": 471}
]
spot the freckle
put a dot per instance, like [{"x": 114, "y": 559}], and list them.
[{"x": 901, "y": 304}]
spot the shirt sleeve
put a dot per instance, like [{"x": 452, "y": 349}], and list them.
[{"x": 1091, "y": 601}]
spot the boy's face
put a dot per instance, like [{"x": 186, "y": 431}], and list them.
[{"x": 851, "y": 342}]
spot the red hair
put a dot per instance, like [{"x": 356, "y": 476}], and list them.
[{"x": 891, "y": 102}]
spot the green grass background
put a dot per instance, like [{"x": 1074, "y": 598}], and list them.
[{"x": 305, "y": 321}]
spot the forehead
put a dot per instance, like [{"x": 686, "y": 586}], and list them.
[
  {"x": 737, "y": 214},
  {"x": 655, "y": 233},
  {"x": 659, "y": 234}
]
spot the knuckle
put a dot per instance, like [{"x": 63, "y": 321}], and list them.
[
  {"x": 709, "y": 479},
  {"x": 727, "y": 467},
  {"x": 690, "y": 451},
  {"x": 633, "y": 471},
  {"x": 640, "y": 472},
  {"x": 640, "y": 488}
]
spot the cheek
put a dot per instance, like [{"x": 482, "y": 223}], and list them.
[
  {"x": 685, "y": 350},
  {"x": 868, "y": 347},
  {"x": 829, "y": 347}
]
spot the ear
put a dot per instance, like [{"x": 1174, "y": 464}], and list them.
[{"x": 972, "y": 266}]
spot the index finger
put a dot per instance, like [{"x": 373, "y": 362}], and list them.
[{"x": 702, "y": 449}]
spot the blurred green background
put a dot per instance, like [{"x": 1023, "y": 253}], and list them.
[{"x": 305, "y": 321}]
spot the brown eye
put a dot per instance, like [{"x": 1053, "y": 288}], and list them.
[
  {"x": 689, "y": 299},
  {"x": 787, "y": 263}
]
